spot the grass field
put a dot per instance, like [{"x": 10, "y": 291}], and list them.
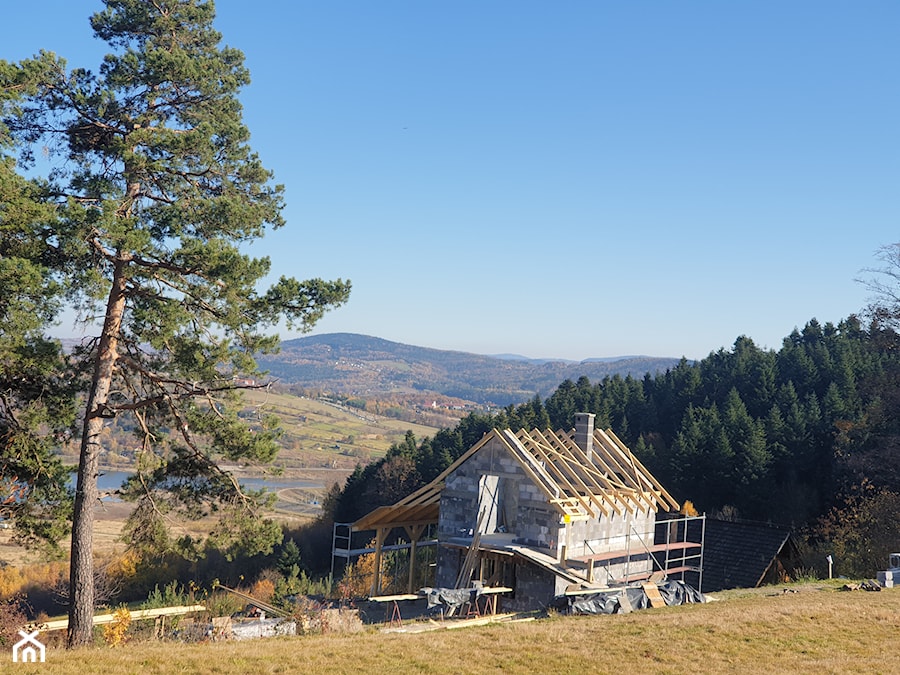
[
  {"x": 320, "y": 434},
  {"x": 817, "y": 629}
]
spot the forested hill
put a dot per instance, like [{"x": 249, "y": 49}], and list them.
[
  {"x": 360, "y": 365},
  {"x": 805, "y": 436}
]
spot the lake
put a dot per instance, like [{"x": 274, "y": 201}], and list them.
[{"x": 112, "y": 480}]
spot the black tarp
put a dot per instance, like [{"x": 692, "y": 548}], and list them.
[
  {"x": 451, "y": 598},
  {"x": 628, "y": 598}
]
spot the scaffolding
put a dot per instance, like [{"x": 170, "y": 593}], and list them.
[{"x": 676, "y": 548}]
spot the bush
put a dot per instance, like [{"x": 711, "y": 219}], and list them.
[
  {"x": 861, "y": 532},
  {"x": 13, "y": 617},
  {"x": 171, "y": 595}
]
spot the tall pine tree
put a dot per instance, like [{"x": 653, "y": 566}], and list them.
[{"x": 157, "y": 192}]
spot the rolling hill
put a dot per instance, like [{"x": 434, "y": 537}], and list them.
[{"x": 360, "y": 365}]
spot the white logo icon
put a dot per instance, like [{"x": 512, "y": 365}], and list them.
[{"x": 28, "y": 648}]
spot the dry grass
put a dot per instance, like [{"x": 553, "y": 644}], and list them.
[{"x": 811, "y": 631}]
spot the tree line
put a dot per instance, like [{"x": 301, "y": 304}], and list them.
[{"x": 784, "y": 436}]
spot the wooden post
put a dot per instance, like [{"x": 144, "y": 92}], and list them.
[
  {"x": 380, "y": 535},
  {"x": 415, "y": 533}
]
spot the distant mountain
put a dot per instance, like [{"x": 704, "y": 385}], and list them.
[{"x": 365, "y": 366}]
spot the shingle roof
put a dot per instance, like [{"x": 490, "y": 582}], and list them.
[{"x": 737, "y": 554}]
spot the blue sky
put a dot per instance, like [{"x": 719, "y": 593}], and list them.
[{"x": 571, "y": 180}]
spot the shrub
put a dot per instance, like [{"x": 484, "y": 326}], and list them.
[
  {"x": 114, "y": 633},
  {"x": 13, "y": 617},
  {"x": 861, "y": 532}
]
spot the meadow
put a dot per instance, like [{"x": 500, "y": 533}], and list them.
[{"x": 802, "y": 628}]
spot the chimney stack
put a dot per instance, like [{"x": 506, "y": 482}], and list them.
[{"x": 584, "y": 433}]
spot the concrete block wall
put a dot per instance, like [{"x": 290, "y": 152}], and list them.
[
  {"x": 526, "y": 511},
  {"x": 540, "y": 527},
  {"x": 610, "y": 533},
  {"x": 630, "y": 532},
  {"x": 448, "y": 562},
  {"x": 535, "y": 589}
]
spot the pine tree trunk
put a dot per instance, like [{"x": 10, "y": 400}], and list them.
[{"x": 81, "y": 573}]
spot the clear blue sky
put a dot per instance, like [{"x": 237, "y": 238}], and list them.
[{"x": 572, "y": 180}]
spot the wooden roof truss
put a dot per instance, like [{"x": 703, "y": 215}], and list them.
[{"x": 611, "y": 480}]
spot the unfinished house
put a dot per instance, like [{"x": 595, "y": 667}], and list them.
[{"x": 544, "y": 514}]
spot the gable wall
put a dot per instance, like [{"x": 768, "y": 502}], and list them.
[
  {"x": 523, "y": 507},
  {"x": 527, "y": 513}
]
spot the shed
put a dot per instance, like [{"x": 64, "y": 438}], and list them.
[{"x": 747, "y": 554}]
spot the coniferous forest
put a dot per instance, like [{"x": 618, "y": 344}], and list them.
[{"x": 804, "y": 436}]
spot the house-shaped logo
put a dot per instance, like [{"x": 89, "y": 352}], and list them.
[{"x": 28, "y": 648}]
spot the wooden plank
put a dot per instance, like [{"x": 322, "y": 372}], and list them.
[
  {"x": 623, "y": 553},
  {"x": 528, "y": 464},
  {"x": 573, "y": 491},
  {"x": 652, "y": 591},
  {"x": 644, "y": 575},
  {"x": 605, "y": 458},
  {"x": 609, "y": 474},
  {"x": 602, "y": 491},
  {"x": 99, "y": 619},
  {"x": 576, "y": 468},
  {"x": 468, "y": 567},
  {"x": 395, "y": 598},
  {"x": 549, "y": 564},
  {"x": 655, "y": 483}
]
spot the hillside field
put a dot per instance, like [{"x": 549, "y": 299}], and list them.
[
  {"x": 321, "y": 434},
  {"x": 322, "y": 443},
  {"x": 812, "y": 628}
]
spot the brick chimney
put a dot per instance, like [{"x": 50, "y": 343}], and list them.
[{"x": 584, "y": 433}]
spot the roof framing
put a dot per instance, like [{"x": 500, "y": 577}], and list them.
[{"x": 579, "y": 486}]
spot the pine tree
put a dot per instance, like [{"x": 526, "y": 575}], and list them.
[
  {"x": 157, "y": 192},
  {"x": 37, "y": 404}
]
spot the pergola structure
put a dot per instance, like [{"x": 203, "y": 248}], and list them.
[{"x": 413, "y": 513}]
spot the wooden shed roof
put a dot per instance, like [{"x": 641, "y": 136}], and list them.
[{"x": 612, "y": 480}]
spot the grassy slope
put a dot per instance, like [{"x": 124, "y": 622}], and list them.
[
  {"x": 810, "y": 631},
  {"x": 313, "y": 429}
]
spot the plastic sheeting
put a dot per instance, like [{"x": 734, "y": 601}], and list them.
[
  {"x": 626, "y": 599},
  {"x": 450, "y": 597}
]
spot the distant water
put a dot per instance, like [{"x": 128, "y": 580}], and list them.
[{"x": 112, "y": 480}]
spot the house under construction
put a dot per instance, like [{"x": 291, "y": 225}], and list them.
[{"x": 545, "y": 514}]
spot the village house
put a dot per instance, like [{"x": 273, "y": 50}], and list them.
[{"x": 543, "y": 514}]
